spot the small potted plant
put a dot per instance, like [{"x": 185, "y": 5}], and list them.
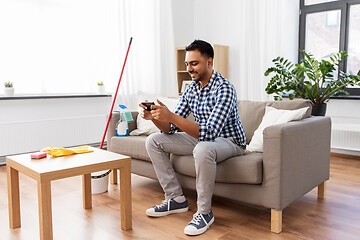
[
  {"x": 100, "y": 88},
  {"x": 9, "y": 89},
  {"x": 311, "y": 79}
]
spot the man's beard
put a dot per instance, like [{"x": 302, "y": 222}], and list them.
[{"x": 197, "y": 79}]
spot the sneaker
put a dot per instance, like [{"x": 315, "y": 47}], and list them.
[
  {"x": 167, "y": 207},
  {"x": 199, "y": 224}
]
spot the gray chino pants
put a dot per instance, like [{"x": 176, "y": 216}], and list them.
[{"x": 206, "y": 155}]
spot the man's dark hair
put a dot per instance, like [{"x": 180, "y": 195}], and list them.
[{"x": 203, "y": 47}]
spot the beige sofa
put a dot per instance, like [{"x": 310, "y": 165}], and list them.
[{"x": 295, "y": 159}]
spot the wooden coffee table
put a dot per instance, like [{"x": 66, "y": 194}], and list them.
[{"x": 47, "y": 169}]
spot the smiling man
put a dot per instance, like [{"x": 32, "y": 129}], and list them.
[{"x": 216, "y": 135}]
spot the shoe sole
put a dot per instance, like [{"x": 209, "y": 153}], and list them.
[
  {"x": 161, "y": 214},
  {"x": 202, "y": 230}
]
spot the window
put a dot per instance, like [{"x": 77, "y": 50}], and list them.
[
  {"x": 310, "y": 2},
  {"x": 330, "y": 26},
  {"x": 353, "y": 63},
  {"x": 58, "y": 46}
]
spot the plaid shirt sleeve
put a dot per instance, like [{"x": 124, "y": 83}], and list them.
[
  {"x": 225, "y": 102},
  {"x": 182, "y": 109}
]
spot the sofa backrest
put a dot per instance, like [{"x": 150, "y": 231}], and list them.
[{"x": 251, "y": 112}]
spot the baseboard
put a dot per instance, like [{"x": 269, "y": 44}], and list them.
[
  {"x": 2, "y": 160},
  {"x": 345, "y": 152},
  {"x": 345, "y": 156}
]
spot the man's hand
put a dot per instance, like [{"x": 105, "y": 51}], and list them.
[
  {"x": 161, "y": 112},
  {"x": 161, "y": 116},
  {"x": 144, "y": 113},
  {"x": 158, "y": 115}
]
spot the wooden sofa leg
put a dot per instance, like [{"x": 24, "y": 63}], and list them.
[
  {"x": 113, "y": 176},
  {"x": 322, "y": 190},
  {"x": 276, "y": 221}
]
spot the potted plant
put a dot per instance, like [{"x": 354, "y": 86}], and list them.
[
  {"x": 9, "y": 89},
  {"x": 100, "y": 88},
  {"x": 311, "y": 79}
]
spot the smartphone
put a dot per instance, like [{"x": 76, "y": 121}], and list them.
[{"x": 148, "y": 105}]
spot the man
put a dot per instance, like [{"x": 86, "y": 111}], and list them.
[{"x": 216, "y": 135}]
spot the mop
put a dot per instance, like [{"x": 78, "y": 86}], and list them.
[
  {"x": 111, "y": 110},
  {"x": 112, "y": 106}
]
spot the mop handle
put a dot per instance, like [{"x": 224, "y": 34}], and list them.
[{"x": 117, "y": 89}]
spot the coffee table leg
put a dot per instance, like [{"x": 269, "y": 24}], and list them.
[
  {"x": 87, "y": 198},
  {"x": 113, "y": 176},
  {"x": 125, "y": 197},
  {"x": 13, "y": 197},
  {"x": 45, "y": 212}
]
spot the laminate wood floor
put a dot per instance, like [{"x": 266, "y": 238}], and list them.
[{"x": 336, "y": 217}]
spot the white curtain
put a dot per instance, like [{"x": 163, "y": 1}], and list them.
[
  {"x": 269, "y": 29},
  {"x": 58, "y": 46},
  {"x": 256, "y": 31},
  {"x": 67, "y": 46},
  {"x": 151, "y": 68}
]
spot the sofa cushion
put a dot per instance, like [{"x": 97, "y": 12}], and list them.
[
  {"x": 242, "y": 169},
  {"x": 143, "y": 127},
  {"x": 132, "y": 146},
  {"x": 250, "y": 114},
  {"x": 292, "y": 105},
  {"x": 273, "y": 116}
]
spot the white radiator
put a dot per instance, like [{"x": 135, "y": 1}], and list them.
[
  {"x": 346, "y": 137},
  {"x": 22, "y": 137}
]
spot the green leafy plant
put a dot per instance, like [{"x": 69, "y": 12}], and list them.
[
  {"x": 311, "y": 79},
  {"x": 8, "y": 84},
  {"x": 100, "y": 83}
]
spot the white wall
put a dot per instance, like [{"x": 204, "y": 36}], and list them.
[{"x": 183, "y": 19}]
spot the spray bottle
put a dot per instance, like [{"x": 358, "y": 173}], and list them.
[{"x": 122, "y": 126}]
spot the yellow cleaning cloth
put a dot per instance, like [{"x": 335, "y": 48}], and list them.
[{"x": 58, "y": 152}]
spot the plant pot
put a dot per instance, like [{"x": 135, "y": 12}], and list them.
[
  {"x": 100, "y": 89},
  {"x": 9, "y": 92},
  {"x": 319, "y": 109}
]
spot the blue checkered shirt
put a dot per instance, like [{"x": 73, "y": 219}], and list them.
[{"x": 215, "y": 109}]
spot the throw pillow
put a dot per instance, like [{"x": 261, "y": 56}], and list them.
[
  {"x": 146, "y": 127},
  {"x": 271, "y": 117}
]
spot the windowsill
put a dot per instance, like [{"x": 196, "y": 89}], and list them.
[
  {"x": 60, "y": 95},
  {"x": 346, "y": 97},
  {"x": 349, "y": 97}
]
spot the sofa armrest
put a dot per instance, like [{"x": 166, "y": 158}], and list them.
[
  {"x": 115, "y": 117},
  {"x": 296, "y": 159},
  {"x": 133, "y": 124}
]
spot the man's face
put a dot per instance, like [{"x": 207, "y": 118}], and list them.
[{"x": 198, "y": 66}]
